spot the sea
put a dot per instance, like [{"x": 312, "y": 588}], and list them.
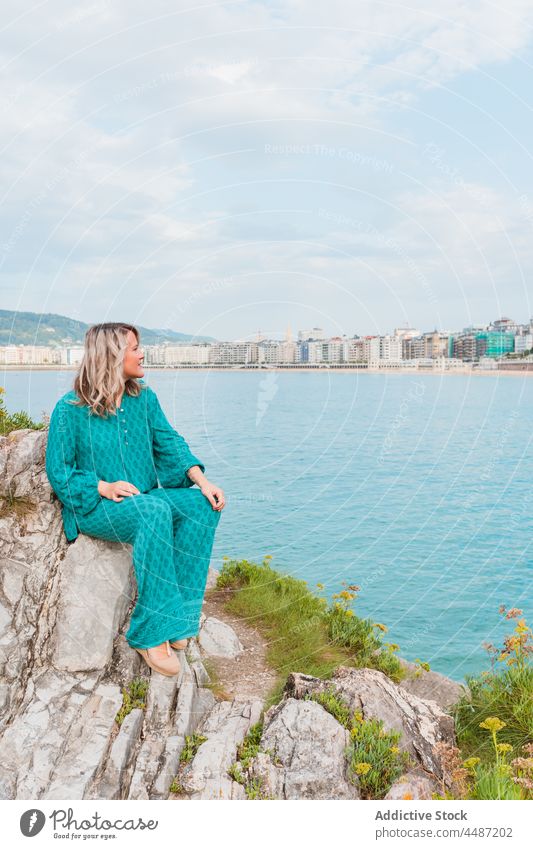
[{"x": 416, "y": 487}]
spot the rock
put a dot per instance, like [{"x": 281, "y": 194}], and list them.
[
  {"x": 95, "y": 591},
  {"x": 421, "y": 722},
  {"x": 206, "y": 776},
  {"x": 431, "y": 685},
  {"x": 218, "y": 639},
  {"x": 87, "y": 741},
  {"x": 307, "y": 749},
  {"x": 110, "y": 784},
  {"x": 414, "y": 785}
]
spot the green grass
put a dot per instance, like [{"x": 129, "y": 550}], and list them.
[
  {"x": 506, "y": 694},
  {"x": 304, "y": 634},
  {"x": 133, "y": 696}
]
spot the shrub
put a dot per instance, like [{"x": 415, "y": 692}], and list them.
[
  {"x": 133, "y": 696},
  {"x": 17, "y": 421}
]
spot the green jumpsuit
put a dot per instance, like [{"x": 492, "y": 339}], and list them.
[{"x": 171, "y": 527}]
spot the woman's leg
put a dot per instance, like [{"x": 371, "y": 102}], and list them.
[
  {"x": 195, "y": 523},
  {"x": 147, "y": 524}
]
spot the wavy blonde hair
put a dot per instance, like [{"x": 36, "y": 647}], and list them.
[{"x": 100, "y": 379}]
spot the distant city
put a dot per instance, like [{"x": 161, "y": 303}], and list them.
[{"x": 503, "y": 344}]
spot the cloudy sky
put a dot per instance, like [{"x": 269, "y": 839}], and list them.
[{"x": 224, "y": 168}]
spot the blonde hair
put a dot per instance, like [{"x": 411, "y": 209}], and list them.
[{"x": 100, "y": 378}]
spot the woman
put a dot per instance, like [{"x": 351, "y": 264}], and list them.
[{"x": 109, "y": 443}]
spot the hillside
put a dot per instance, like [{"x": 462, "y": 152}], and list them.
[{"x": 32, "y": 328}]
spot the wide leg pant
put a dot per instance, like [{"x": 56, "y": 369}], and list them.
[{"x": 172, "y": 532}]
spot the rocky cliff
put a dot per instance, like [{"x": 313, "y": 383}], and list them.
[{"x": 83, "y": 717}]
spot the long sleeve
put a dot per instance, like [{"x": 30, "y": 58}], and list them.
[
  {"x": 75, "y": 488},
  {"x": 172, "y": 455}
]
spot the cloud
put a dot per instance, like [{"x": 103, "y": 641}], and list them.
[{"x": 134, "y": 139}]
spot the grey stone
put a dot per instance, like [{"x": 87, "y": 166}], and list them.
[
  {"x": 218, "y": 639},
  {"x": 110, "y": 784},
  {"x": 415, "y": 784},
  {"x": 307, "y": 747},
  {"x": 86, "y": 745},
  {"x": 94, "y": 595},
  {"x": 427, "y": 684},
  {"x": 206, "y": 777}
]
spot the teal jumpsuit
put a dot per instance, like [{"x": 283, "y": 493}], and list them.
[{"x": 171, "y": 527}]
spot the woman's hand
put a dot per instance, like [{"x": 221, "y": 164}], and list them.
[
  {"x": 214, "y": 494},
  {"x": 118, "y": 490}
]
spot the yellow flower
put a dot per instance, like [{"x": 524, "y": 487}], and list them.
[
  {"x": 407, "y": 796},
  {"x": 362, "y": 768},
  {"x": 504, "y": 747},
  {"x": 395, "y": 750},
  {"x": 380, "y": 626},
  {"x": 268, "y": 556},
  {"x": 320, "y": 586},
  {"x": 349, "y": 613},
  {"x": 470, "y": 763},
  {"x": 493, "y": 724}
]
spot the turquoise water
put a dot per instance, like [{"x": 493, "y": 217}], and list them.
[{"x": 415, "y": 487}]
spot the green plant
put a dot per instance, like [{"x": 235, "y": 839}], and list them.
[
  {"x": 192, "y": 744},
  {"x": 374, "y": 756},
  {"x": 254, "y": 789},
  {"x": 250, "y": 746},
  {"x": 502, "y": 693},
  {"x": 235, "y": 772},
  {"x": 176, "y": 787},
  {"x": 133, "y": 696},
  {"x": 334, "y": 705},
  {"x": 15, "y": 505},
  {"x": 17, "y": 421},
  {"x": 375, "y": 760}
]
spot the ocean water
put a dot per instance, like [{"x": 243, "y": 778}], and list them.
[{"x": 416, "y": 487}]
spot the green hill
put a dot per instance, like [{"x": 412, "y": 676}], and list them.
[{"x": 32, "y": 328}]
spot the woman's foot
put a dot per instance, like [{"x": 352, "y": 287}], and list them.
[
  {"x": 161, "y": 659},
  {"x": 179, "y": 644}
]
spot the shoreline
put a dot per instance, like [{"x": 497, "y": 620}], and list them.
[{"x": 524, "y": 372}]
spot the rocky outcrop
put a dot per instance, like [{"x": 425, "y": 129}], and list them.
[
  {"x": 67, "y": 674},
  {"x": 421, "y": 722},
  {"x": 65, "y": 664},
  {"x": 303, "y": 748}
]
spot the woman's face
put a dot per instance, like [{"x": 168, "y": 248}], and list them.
[{"x": 133, "y": 357}]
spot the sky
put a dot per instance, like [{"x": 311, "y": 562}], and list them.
[{"x": 227, "y": 168}]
